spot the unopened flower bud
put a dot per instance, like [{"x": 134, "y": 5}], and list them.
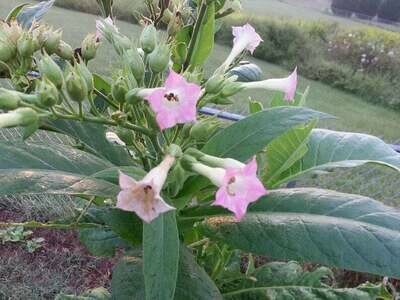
[
  {"x": 134, "y": 61},
  {"x": 174, "y": 150},
  {"x": 204, "y": 129},
  {"x": 49, "y": 68},
  {"x": 76, "y": 86},
  {"x": 25, "y": 45},
  {"x": 89, "y": 47},
  {"x": 9, "y": 99},
  {"x": 87, "y": 75},
  {"x": 52, "y": 41},
  {"x": 132, "y": 97},
  {"x": 121, "y": 43},
  {"x": 159, "y": 59},
  {"x": 65, "y": 51},
  {"x": 214, "y": 84},
  {"x": 47, "y": 93},
  {"x": 231, "y": 88},
  {"x": 119, "y": 89},
  {"x": 148, "y": 38},
  {"x": 23, "y": 116},
  {"x": 7, "y": 49},
  {"x": 11, "y": 30}
]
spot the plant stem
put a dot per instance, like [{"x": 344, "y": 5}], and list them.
[
  {"x": 196, "y": 30},
  {"x": 34, "y": 224}
]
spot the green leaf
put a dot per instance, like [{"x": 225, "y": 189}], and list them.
[
  {"x": 127, "y": 279},
  {"x": 247, "y": 137},
  {"x": 126, "y": 225},
  {"x": 34, "y": 182},
  {"x": 280, "y": 280},
  {"x": 255, "y": 107},
  {"x": 20, "y": 155},
  {"x": 15, "y": 11},
  {"x": 31, "y": 13},
  {"x": 93, "y": 138},
  {"x": 304, "y": 293},
  {"x": 284, "y": 151},
  {"x": 100, "y": 242},
  {"x": 193, "y": 283},
  {"x": 205, "y": 38},
  {"x": 112, "y": 174},
  {"x": 161, "y": 256},
  {"x": 334, "y": 229},
  {"x": 332, "y": 149}
]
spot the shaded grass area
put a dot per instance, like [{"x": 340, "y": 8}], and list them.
[{"x": 61, "y": 265}]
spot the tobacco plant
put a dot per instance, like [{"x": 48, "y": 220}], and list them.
[{"x": 193, "y": 201}]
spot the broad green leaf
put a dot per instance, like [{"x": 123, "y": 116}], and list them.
[
  {"x": 205, "y": 38},
  {"x": 127, "y": 279},
  {"x": 20, "y": 155},
  {"x": 247, "y": 137},
  {"x": 33, "y": 13},
  {"x": 305, "y": 293},
  {"x": 125, "y": 224},
  {"x": 100, "y": 241},
  {"x": 280, "y": 280},
  {"x": 332, "y": 149},
  {"x": 15, "y": 11},
  {"x": 284, "y": 151},
  {"x": 193, "y": 283},
  {"x": 112, "y": 174},
  {"x": 334, "y": 229},
  {"x": 161, "y": 256},
  {"x": 34, "y": 182},
  {"x": 93, "y": 139}
]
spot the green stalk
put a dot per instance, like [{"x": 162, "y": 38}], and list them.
[{"x": 196, "y": 30}]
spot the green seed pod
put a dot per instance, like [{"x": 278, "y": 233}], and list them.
[
  {"x": 7, "y": 50},
  {"x": 87, "y": 75},
  {"x": 121, "y": 43},
  {"x": 9, "y": 99},
  {"x": 89, "y": 47},
  {"x": 49, "y": 68},
  {"x": 134, "y": 61},
  {"x": 47, "y": 93},
  {"x": 27, "y": 116},
  {"x": 25, "y": 45},
  {"x": 231, "y": 88},
  {"x": 214, "y": 84},
  {"x": 159, "y": 59},
  {"x": 148, "y": 38},
  {"x": 76, "y": 86},
  {"x": 52, "y": 41},
  {"x": 203, "y": 130},
  {"x": 65, "y": 51},
  {"x": 119, "y": 89},
  {"x": 132, "y": 97}
]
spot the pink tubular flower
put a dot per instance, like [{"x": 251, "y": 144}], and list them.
[
  {"x": 286, "y": 85},
  {"x": 143, "y": 197},
  {"x": 175, "y": 103},
  {"x": 238, "y": 186},
  {"x": 245, "y": 38}
]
